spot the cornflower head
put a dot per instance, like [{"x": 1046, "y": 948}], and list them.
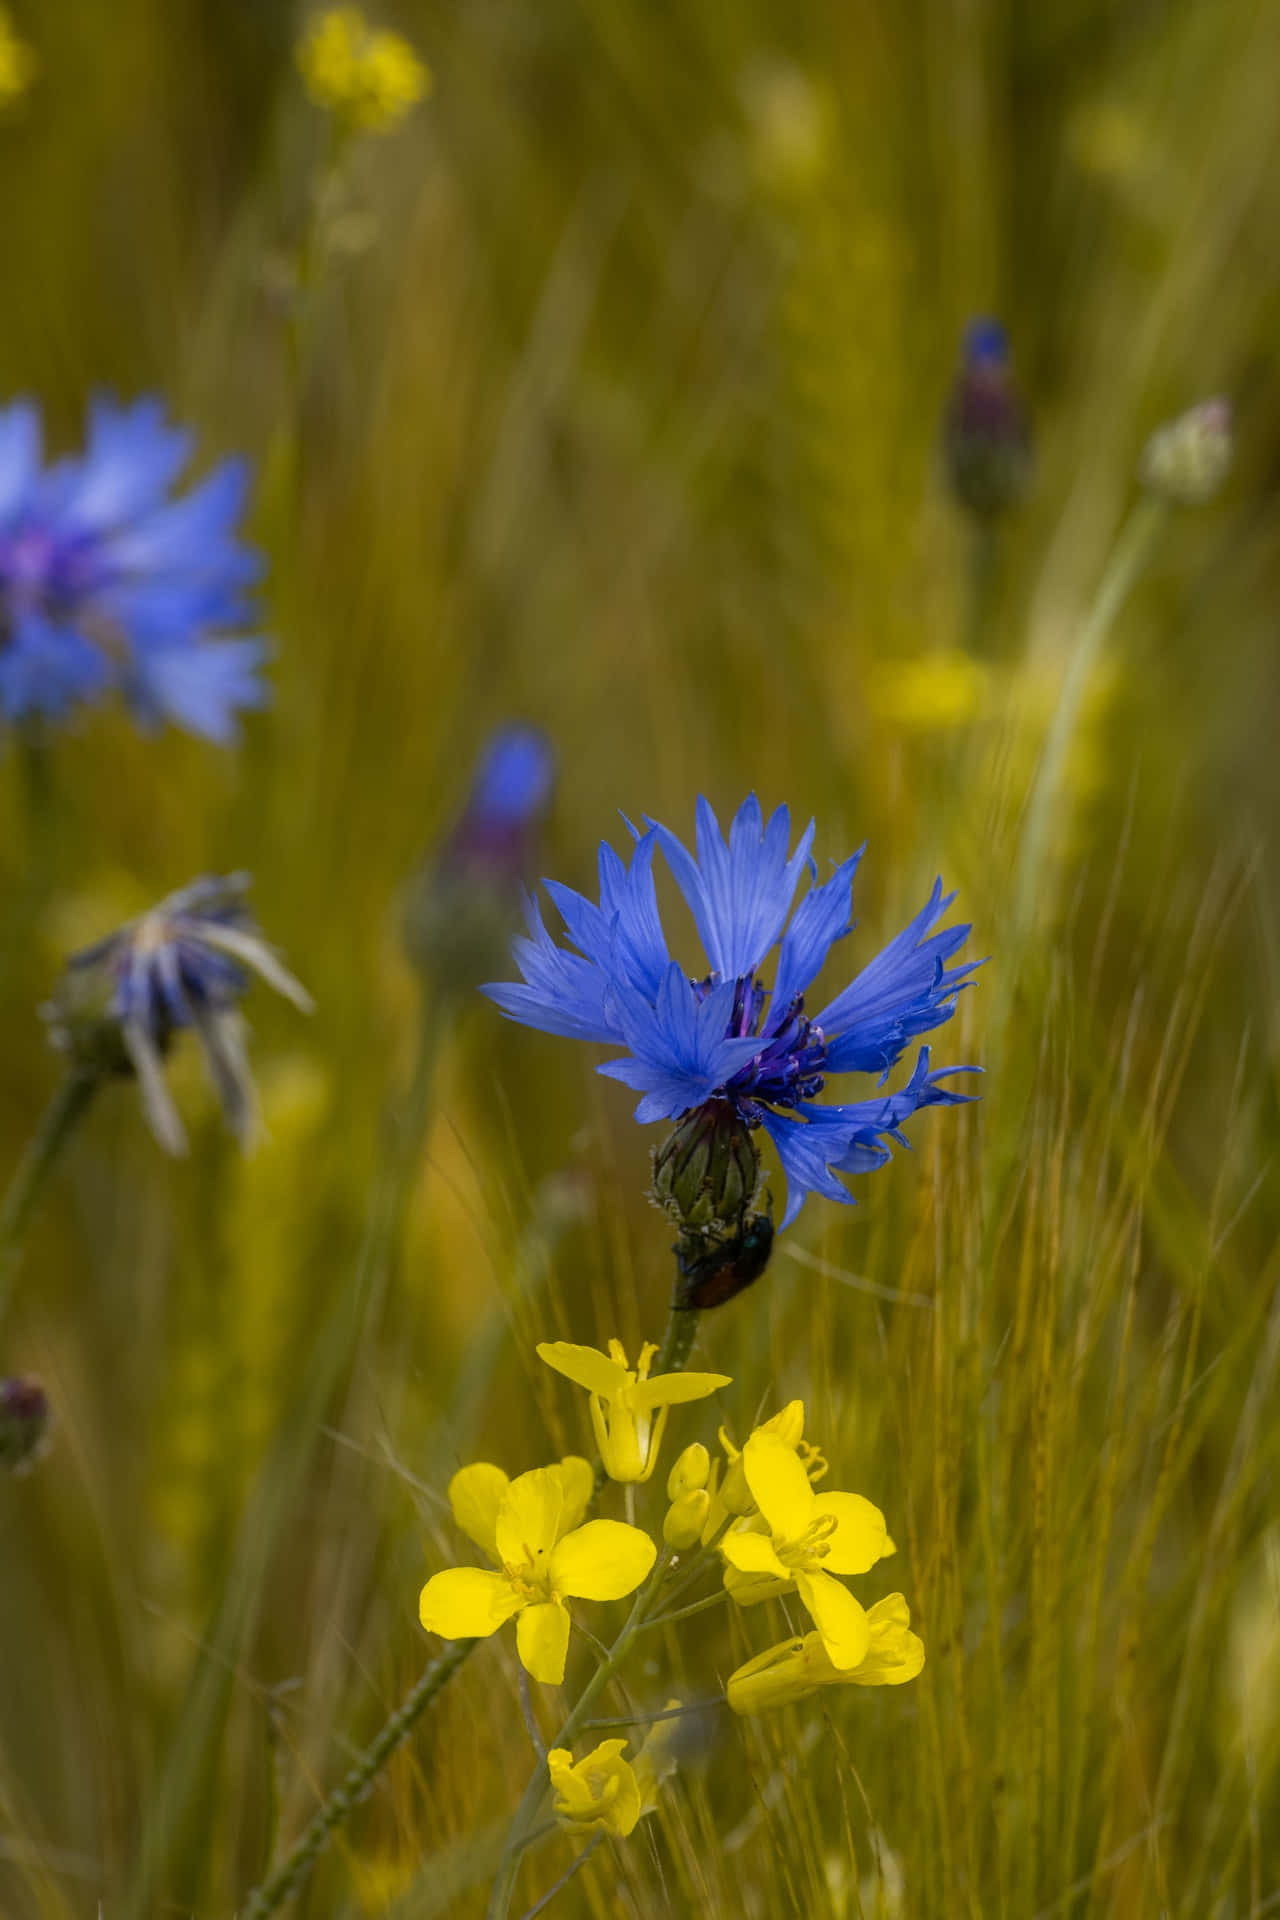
[
  {"x": 367, "y": 77},
  {"x": 17, "y": 62},
  {"x": 801, "y": 1539},
  {"x": 725, "y": 1055},
  {"x": 797, "y": 1668},
  {"x": 465, "y": 901},
  {"x": 112, "y": 581},
  {"x": 185, "y": 963},
  {"x": 986, "y": 436},
  {"x": 530, "y": 1529},
  {"x": 628, "y": 1409}
]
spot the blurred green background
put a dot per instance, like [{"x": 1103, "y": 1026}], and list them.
[{"x": 616, "y": 408}]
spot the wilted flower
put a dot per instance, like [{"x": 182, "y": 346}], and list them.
[
  {"x": 463, "y": 905},
  {"x": 798, "y": 1668},
  {"x": 24, "y": 1423},
  {"x": 726, "y": 1037},
  {"x": 186, "y": 963},
  {"x": 1186, "y": 461},
  {"x": 529, "y": 1527},
  {"x": 628, "y": 1409},
  {"x": 17, "y": 62},
  {"x": 986, "y": 438},
  {"x": 112, "y": 581},
  {"x": 801, "y": 1539},
  {"x": 367, "y": 77}
]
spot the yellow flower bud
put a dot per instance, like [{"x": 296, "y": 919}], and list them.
[
  {"x": 691, "y": 1471},
  {"x": 686, "y": 1517}
]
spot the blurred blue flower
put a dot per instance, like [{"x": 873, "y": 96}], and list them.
[
  {"x": 729, "y": 1036},
  {"x": 185, "y": 963},
  {"x": 986, "y": 433},
  {"x": 112, "y": 581}
]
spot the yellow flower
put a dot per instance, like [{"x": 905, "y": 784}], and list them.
[
  {"x": 602, "y": 1792},
  {"x": 802, "y": 1538},
  {"x": 17, "y": 62},
  {"x": 730, "y": 1495},
  {"x": 628, "y": 1409},
  {"x": 598, "y": 1794},
  {"x": 365, "y": 76},
  {"x": 798, "y": 1668},
  {"x": 529, "y": 1528}
]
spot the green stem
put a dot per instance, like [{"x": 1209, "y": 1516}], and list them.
[
  {"x": 57, "y": 1124},
  {"x": 289, "y": 1875},
  {"x": 684, "y": 1613},
  {"x": 1128, "y": 557},
  {"x": 983, "y": 555},
  {"x": 519, "y": 1832},
  {"x": 677, "y": 1341}
]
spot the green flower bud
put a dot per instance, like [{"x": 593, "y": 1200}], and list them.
[
  {"x": 24, "y": 1423},
  {"x": 706, "y": 1173},
  {"x": 1186, "y": 461}
]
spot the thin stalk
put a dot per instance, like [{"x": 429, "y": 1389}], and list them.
[
  {"x": 57, "y": 1124},
  {"x": 1128, "y": 557},
  {"x": 518, "y": 1834},
  {"x": 289, "y": 1875},
  {"x": 540, "y": 1906},
  {"x": 684, "y": 1613}
]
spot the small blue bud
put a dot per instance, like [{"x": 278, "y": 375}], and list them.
[{"x": 986, "y": 434}]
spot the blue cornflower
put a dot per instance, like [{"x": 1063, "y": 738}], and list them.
[
  {"x": 110, "y": 580},
  {"x": 986, "y": 432},
  {"x": 728, "y": 1039},
  {"x": 185, "y": 963}
]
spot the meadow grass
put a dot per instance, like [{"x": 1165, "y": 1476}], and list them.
[{"x": 614, "y": 405}]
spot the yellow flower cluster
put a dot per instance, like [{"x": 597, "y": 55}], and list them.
[
  {"x": 17, "y": 62},
  {"x": 367, "y": 77}
]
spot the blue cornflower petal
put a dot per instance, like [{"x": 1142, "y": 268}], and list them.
[
  {"x": 906, "y": 990},
  {"x": 823, "y": 917},
  {"x": 680, "y": 1054},
  {"x": 514, "y": 779},
  {"x": 563, "y": 993},
  {"x": 109, "y": 580},
  {"x": 740, "y": 893}
]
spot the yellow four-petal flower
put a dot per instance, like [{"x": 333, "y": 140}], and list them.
[
  {"x": 530, "y": 1528},
  {"x": 798, "y": 1668},
  {"x": 801, "y": 1539},
  {"x": 628, "y": 1409}
]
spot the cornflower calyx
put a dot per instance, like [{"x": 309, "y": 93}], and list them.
[
  {"x": 802, "y": 1539},
  {"x": 628, "y": 1409},
  {"x": 529, "y": 1527}
]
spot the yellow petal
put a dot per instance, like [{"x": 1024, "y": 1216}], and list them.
[
  {"x": 779, "y": 1484},
  {"x": 839, "y": 1618},
  {"x": 673, "y": 1389},
  {"x": 788, "y": 1425},
  {"x": 529, "y": 1518},
  {"x": 585, "y": 1367},
  {"x": 895, "y": 1653},
  {"x": 859, "y": 1537},
  {"x": 753, "y": 1553},
  {"x": 542, "y": 1641},
  {"x": 466, "y": 1603},
  {"x": 578, "y": 1481},
  {"x": 475, "y": 1494},
  {"x": 602, "y": 1561}
]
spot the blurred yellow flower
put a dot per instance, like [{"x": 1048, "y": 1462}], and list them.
[
  {"x": 801, "y": 1540},
  {"x": 17, "y": 62},
  {"x": 928, "y": 695},
  {"x": 597, "y": 1794},
  {"x": 797, "y": 1668},
  {"x": 628, "y": 1409},
  {"x": 365, "y": 76},
  {"x": 529, "y": 1528}
]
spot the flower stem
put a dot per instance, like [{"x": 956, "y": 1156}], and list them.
[
  {"x": 57, "y": 1124},
  {"x": 288, "y": 1876},
  {"x": 677, "y": 1341},
  {"x": 683, "y": 1613},
  {"x": 1128, "y": 557},
  {"x": 518, "y": 1834}
]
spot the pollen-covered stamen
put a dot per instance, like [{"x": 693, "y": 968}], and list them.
[{"x": 810, "y": 1549}]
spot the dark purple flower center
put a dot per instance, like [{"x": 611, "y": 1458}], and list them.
[{"x": 790, "y": 1065}]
